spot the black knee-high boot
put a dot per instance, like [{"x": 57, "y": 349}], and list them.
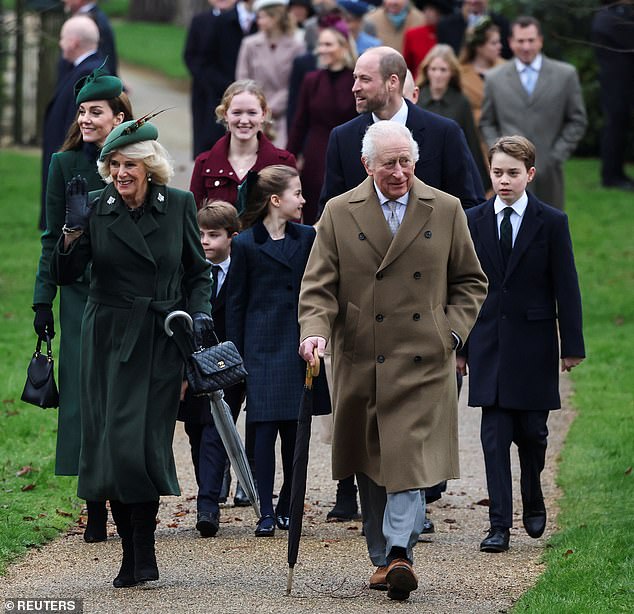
[
  {"x": 122, "y": 515},
  {"x": 96, "y": 522},
  {"x": 143, "y": 528}
]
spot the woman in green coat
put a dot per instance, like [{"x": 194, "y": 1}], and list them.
[
  {"x": 102, "y": 105},
  {"x": 142, "y": 241}
]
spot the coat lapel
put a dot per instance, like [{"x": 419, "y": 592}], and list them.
[
  {"x": 420, "y": 207},
  {"x": 261, "y": 237},
  {"x": 488, "y": 233},
  {"x": 367, "y": 213},
  {"x": 514, "y": 82},
  {"x": 122, "y": 225},
  {"x": 531, "y": 225}
]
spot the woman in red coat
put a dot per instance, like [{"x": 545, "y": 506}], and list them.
[
  {"x": 325, "y": 101},
  {"x": 218, "y": 172}
]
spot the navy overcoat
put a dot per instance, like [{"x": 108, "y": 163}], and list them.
[
  {"x": 262, "y": 299},
  {"x": 513, "y": 349}
]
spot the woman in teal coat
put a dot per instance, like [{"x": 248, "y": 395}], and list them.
[
  {"x": 141, "y": 240},
  {"x": 102, "y": 105}
]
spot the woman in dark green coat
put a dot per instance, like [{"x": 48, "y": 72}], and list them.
[
  {"x": 102, "y": 105},
  {"x": 142, "y": 241}
]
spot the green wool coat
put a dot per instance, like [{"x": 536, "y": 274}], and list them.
[
  {"x": 131, "y": 372},
  {"x": 72, "y": 300}
]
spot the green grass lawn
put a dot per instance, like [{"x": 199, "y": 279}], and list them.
[
  {"x": 156, "y": 46},
  {"x": 34, "y": 504},
  {"x": 590, "y": 562}
]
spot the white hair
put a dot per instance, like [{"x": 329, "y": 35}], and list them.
[
  {"x": 154, "y": 156},
  {"x": 382, "y": 131}
]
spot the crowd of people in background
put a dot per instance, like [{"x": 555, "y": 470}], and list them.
[{"x": 373, "y": 122}]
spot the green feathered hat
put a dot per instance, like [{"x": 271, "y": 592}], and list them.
[
  {"x": 98, "y": 85},
  {"x": 127, "y": 133}
]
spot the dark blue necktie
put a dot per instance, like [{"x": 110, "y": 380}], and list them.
[
  {"x": 506, "y": 235},
  {"x": 215, "y": 271}
]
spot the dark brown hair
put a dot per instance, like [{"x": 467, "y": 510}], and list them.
[
  {"x": 218, "y": 215},
  {"x": 271, "y": 180},
  {"x": 524, "y": 21},
  {"x": 120, "y": 104},
  {"x": 517, "y": 147}
]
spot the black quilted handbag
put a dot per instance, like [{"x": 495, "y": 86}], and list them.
[
  {"x": 40, "y": 388},
  {"x": 214, "y": 368}
]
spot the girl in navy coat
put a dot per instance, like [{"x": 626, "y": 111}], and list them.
[{"x": 267, "y": 261}]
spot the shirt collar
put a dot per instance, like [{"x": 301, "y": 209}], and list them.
[
  {"x": 536, "y": 64},
  {"x": 400, "y": 116},
  {"x": 81, "y": 58},
  {"x": 403, "y": 200},
  {"x": 519, "y": 206}
]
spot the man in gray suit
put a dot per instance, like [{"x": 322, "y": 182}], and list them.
[{"x": 540, "y": 99}]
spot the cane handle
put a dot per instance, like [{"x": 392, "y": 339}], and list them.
[
  {"x": 316, "y": 368},
  {"x": 176, "y": 314}
]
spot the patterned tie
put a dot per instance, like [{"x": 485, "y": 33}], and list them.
[
  {"x": 392, "y": 221},
  {"x": 215, "y": 271},
  {"x": 506, "y": 235},
  {"x": 530, "y": 78}
]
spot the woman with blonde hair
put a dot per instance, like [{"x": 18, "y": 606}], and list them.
[
  {"x": 440, "y": 93},
  {"x": 245, "y": 113},
  {"x": 324, "y": 102},
  {"x": 267, "y": 57}
]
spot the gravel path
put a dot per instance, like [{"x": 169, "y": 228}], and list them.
[{"x": 237, "y": 573}]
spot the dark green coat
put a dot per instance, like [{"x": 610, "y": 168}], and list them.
[
  {"x": 72, "y": 301},
  {"x": 131, "y": 372}
]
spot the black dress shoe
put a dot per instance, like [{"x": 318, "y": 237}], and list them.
[
  {"x": 265, "y": 526},
  {"x": 282, "y": 522},
  {"x": 241, "y": 499},
  {"x": 208, "y": 524},
  {"x": 497, "y": 540},
  {"x": 534, "y": 522}
]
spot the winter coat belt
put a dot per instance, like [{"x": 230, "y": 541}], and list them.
[{"x": 138, "y": 306}]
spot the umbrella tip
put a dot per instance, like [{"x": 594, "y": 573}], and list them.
[{"x": 289, "y": 581}]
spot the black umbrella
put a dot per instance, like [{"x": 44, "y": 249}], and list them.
[{"x": 300, "y": 469}]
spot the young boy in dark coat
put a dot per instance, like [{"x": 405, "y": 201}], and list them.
[
  {"x": 531, "y": 316},
  {"x": 218, "y": 223}
]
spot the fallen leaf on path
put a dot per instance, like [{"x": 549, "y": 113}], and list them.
[
  {"x": 24, "y": 471},
  {"x": 27, "y": 487},
  {"x": 568, "y": 552},
  {"x": 63, "y": 513},
  {"x": 628, "y": 471},
  {"x": 484, "y": 502}
]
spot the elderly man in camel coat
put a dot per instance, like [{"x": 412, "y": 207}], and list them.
[{"x": 394, "y": 285}]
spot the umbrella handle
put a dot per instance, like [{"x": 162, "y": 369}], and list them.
[
  {"x": 176, "y": 314},
  {"x": 317, "y": 368}
]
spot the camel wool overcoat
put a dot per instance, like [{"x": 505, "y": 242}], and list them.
[{"x": 388, "y": 306}]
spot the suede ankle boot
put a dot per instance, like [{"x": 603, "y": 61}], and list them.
[
  {"x": 122, "y": 518},
  {"x": 143, "y": 527},
  {"x": 346, "y": 507}
]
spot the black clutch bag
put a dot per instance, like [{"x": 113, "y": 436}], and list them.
[
  {"x": 40, "y": 388},
  {"x": 214, "y": 368}
]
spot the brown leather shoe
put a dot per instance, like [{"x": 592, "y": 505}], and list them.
[
  {"x": 401, "y": 579},
  {"x": 377, "y": 579}
]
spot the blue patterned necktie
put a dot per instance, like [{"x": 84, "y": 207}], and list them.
[
  {"x": 392, "y": 220},
  {"x": 530, "y": 79}
]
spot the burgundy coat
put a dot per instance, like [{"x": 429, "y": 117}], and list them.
[
  {"x": 325, "y": 101},
  {"x": 214, "y": 178}
]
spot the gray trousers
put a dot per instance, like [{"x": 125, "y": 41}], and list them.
[{"x": 390, "y": 519}]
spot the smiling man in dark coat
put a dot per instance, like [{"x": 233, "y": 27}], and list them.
[{"x": 445, "y": 160}]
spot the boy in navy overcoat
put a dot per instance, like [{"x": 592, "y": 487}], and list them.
[{"x": 531, "y": 317}]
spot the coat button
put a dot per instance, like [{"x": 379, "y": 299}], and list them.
[
  {"x": 417, "y": 359},
  {"x": 380, "y": 358},
  {"x": 207, "y": 170},
  {"x": 417, "y": 275},
  {"x": 220, "y": 171},
  {"x": 379, "y": 275},
  {"x": 416, "y": 317},
  {"x": 379, "y": 317},
  {"x": 216, "y": 183},
  {"x": 361, "y": 237},
  {"x": 428, "y": 234}
]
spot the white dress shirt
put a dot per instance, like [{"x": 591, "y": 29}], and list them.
[
  {"x": 222, "y": 273},
  {"x": 524, "y": 71},
  {"x": 401, "y": 205},
  {"x": 519, "y": 207},
  {"x": 400, "y": 116}
]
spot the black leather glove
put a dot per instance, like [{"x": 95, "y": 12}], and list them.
[
  {"x": 44, "y": 323},
  {"x": 204, "y": 336},
  {"x": 78, "y": 209}
]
